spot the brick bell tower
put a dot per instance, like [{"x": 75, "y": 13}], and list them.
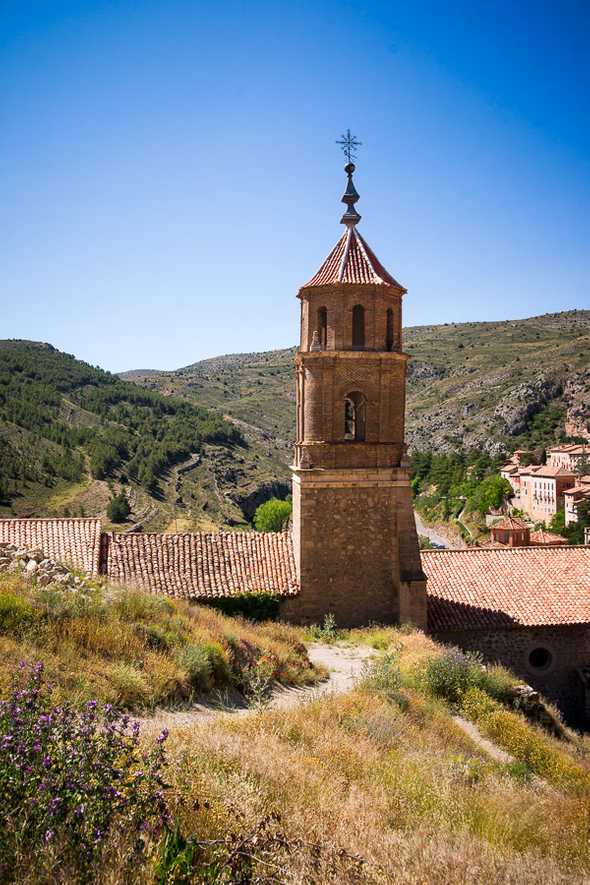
[{"x": 354, "y": 535}]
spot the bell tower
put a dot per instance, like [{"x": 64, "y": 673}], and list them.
[{"x": 354, "y": 535}]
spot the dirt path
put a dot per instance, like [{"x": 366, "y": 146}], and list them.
[
  {"x": 344, "y": 664},
  {"x": 478, "y": 739}
]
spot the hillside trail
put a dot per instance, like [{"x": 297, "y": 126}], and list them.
[{"x": 345, "y": 665}]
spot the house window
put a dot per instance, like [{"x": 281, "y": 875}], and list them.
[
  {"x": 354, "y": 417},
  {"x": 323, "y": 327},
  {"x": 389, "y": 330},
  {"x": 540, "y": 658},
  {"x": 358, "y": 327}
]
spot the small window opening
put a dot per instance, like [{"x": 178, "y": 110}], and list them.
[
  {"x": 354, "y": 417},
  {"x": 323, "y": 327},
  {"x": 358, "y": 327},
  {"x": 540, "y": 658},
  {"x": 389, "y": 330}
]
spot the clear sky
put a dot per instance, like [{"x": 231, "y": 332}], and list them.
[{"x": 169, "y": 177}]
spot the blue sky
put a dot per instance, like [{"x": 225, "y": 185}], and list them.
[{"x": 169, "y": 175}]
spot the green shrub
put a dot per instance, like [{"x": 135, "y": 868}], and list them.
[
  {"x": 451, "y": 676},
  {"x": 273, "y": 516},
  {"x": 327, "y": 632},
  {"x": 16, "y": 612},
  {"x": 194, "y": 660},
  {"x": 118, "y": 508},
  {"x": 253, "y": 606}
]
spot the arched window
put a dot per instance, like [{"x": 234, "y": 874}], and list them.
[
  {"x": 358, "y": 327},
  {"x": 389, "y": 330},
  {"x": 323, "y": 327},
  {"x": 355, "y": 416}
]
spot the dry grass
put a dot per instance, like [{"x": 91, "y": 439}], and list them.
[
  {"x": 405, "y": 790},
  {"x": 389, "y": 777},
  {"x": 134, "y": 649}
]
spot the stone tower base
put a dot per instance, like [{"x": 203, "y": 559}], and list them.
[{"x": 358, "y": 527}]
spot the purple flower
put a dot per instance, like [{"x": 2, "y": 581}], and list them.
[
  {"x": 162, "y": 736},
  {"x": 48, "y": 836}
]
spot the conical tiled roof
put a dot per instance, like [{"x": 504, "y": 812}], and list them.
[{"x": 352, "y": 261}]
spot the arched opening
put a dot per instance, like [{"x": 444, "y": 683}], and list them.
[
  {"x": 358, "y": 327},
  {"x": 389, "y": 330},
  {"x": 323, "y": 327},
  {"x": 355, "y": 416}
]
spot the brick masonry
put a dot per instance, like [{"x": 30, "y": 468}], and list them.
[{"x": 354, "y": 536}]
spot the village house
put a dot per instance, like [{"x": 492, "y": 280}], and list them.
[
  {"x": 542, "y": 491},
  {"x": 569, "y": 456},
  {"x": 574, "y": 496}
]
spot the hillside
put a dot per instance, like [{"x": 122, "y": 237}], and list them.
[
  {"x": 424, "y": 767},
  {"x": 492, "y": 386},
  {"x": 71, "y": 435}
]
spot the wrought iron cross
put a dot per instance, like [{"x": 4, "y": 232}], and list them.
[{"x": 349, "y": 145}]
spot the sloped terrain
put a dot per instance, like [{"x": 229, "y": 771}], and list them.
[
  {"x": 493, "y": 386},
  {"x": 72, "y": 434}
]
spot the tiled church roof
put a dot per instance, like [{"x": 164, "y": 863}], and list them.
[
  {"x": 73, "y": 541},
  {"x": 513, "y": 586},
  {"x": 352, "y": 261},
  {"x": 204, "y": 565}
]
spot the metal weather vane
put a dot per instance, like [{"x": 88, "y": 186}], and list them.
[{"x": 349, "y": 144}]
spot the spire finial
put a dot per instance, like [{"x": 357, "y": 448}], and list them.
[{"x": 349, "y": 145}]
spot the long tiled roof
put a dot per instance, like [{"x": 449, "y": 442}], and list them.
[
  {"x": 73, "y": 541},
  {"x": 203, "y": 564},
  {"x": 352, "y": 261},
  {"x": 514, "y": 586}
]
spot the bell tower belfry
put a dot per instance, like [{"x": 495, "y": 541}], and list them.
[{"x": 354, "y": 535}]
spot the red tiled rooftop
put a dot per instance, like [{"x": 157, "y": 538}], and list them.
[
  {"x": 72, "y": 541},
  {"x": 550, "y": 472},
  {"x": 352, "y": 261},
  {"x": 203, "y": 564},
  {"x": 510, "y": 522},
  {"x": 543, "y": 537},
  {"x": 513, "y": 586}
]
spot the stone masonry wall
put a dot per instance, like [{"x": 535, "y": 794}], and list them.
[
  {"x": 348, "y": 556},
  {"x": 569, "y": 647}
]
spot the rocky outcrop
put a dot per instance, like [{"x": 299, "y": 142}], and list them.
[
  {"x": 250, "y": 502},
  {"x": 35, "y": 566},
  {"x": 522, "y": 402},
  {"x": 577, "y": 399}
]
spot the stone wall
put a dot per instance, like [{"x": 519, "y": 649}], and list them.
[
  {"x": 569, "y": 647},
  {"x": 348, "y": 528}
]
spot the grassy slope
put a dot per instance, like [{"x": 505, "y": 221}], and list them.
[
  {"x": 459, "y": 375},
  {"x": 388, "y": 775},
  {"x": 382, "y": 772},
  {"x": 133, "y": 649}
]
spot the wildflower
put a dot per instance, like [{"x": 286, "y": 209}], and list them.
[{"x": 162, "y": 736}]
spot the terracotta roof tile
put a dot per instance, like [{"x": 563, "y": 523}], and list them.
[
  {"x": 548, "y": 471},
  {"x": 513, "y": 586},
  {"x": 72, "y": 541},
  {"x": 203, "y": 564},
  {"x": 352, "y": 261},
  {"x": 510, "y": 522},
  {"x": 543, "y": 537}
]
